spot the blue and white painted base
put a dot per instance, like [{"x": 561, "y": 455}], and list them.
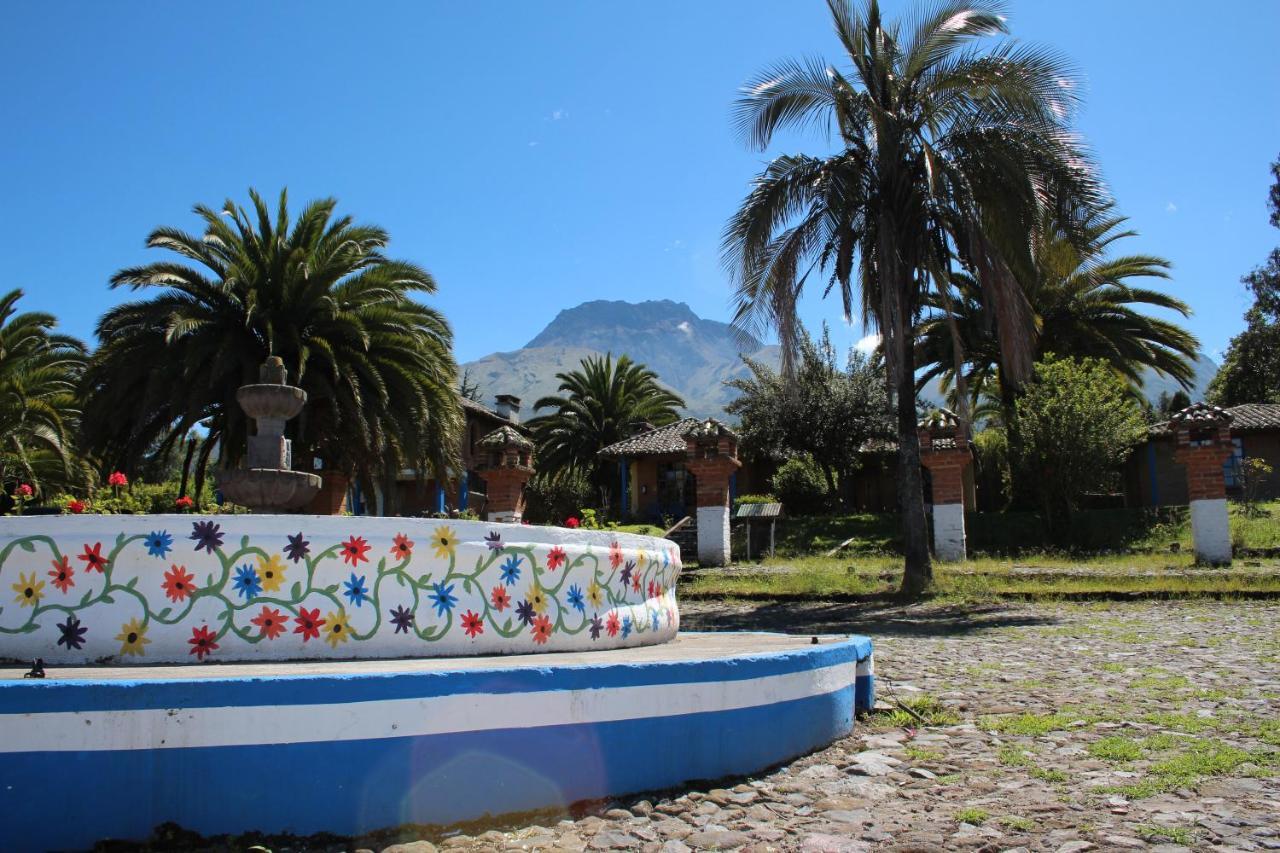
[{"x": 87, "y": 759}]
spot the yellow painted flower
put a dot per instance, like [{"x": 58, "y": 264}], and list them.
[
  {"x": 444, "y": 540},
  {"x": 29, "y": 590},
  {"x": 336, "y": 628},
  {"x": 133, "y": 636},
  {"x": 271, "y": 572},
  {"x": 537, "y": 599},
  {"x": 595, "y": 594},
  {"x": 641, "y": 557}
]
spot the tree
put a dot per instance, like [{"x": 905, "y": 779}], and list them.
[
  {"x": 600, "y": 403},
  {"x": 1250, "y": 372},
  {"x": 377, "y": 365},
  {"x": 949, "y": 146},
  {"x": 39, "y": 371},
  {"x": 821, "y": 411},
  {"x": 1077, "y": 423}
]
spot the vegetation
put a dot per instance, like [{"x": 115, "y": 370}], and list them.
[
  {"x": 377, "y": 365},
  {"x": 950, "y": 141},
  {"x": 800, "y": 486}
]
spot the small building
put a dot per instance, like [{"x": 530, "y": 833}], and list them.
[{"x": 1153, "y": 478}]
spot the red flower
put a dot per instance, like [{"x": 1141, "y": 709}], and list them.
[
  {"x": 403, "y": 546},
  {"x": 500, "y": 598},
  {"x": 203, "y": 642},
  {"x": 117, "y": 478},
  {"x": 612, "y": 625},
  {"x": 177, "y": 583},
  {"x": 62, "y": 574},
  {"x": 615, "y": 555},
  {"x": 184, "y": 502},
  {"x": 541, "y": 629},
  {"x": 309, "y": 623},
  {"x": 94, "y": 561},
  {"x": 571, "y": 522},
  {"x": 555, "y": 558},
  {"x": 635, "y": 582},
  {"x": 354, "y": 550},
  {"x": 25, "y": 491},
  {"x": 271, "y": 621},
  {"x": 76, "y": 506},
  {"x": 472, "y": 624}
]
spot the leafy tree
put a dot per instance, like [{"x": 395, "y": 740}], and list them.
[
  {"x": 377, "y": 365},
  {"x": 821, "y": 411},
  {"x": 950, "y": 140},
  {"x": 1250, "y": 372},
  {"x": 600, "y": 403},
  {"x": 801, "y": 486},
  {"x": 39, "y": 372},
  {"x": 1077, "y": 423}
]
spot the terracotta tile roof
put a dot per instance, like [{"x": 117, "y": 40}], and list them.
[
  {"x": 504, "y": 436},
  {"x": 655, "y": 442},
  {"x": 1251, "y": 417}
]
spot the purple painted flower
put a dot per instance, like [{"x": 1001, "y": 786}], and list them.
[
  {"x": 626, "y": 572},
  {"x": 524, "y": 612},
  {"x": 206, "y": 535},
  {"x": 596, "y": 626},
  {"x": 402, "y": 618},
  {"x": 494, "y": 540},
  {"x": 297, "y": 548},
  {"x": 72, "y": 633}
]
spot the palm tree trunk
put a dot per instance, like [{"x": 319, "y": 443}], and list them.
[
  {"x": 917, "y": 573},
  {"x": 186, "y": 465}
]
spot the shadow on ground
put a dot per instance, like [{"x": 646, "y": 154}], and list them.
[{"x": 882, "y": 619}]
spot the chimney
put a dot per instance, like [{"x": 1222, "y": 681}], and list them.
[{"x": 508, "y": 407}]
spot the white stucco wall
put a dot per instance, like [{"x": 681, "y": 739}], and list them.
[
  {"x": 713, "y": 535},
  {"x": 1211, "y": 530},
  {"x": 948, "y": 531},
  {"x": 169, "y": 588}
]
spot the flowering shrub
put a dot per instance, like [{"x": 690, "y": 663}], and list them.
[{"x": 117, "y": 479}]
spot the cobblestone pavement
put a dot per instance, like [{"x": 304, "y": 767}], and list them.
[{"x": 1055, "y": 727}]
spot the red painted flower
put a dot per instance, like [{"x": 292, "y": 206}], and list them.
[
  {"x": 93, "y": 559},
  {"x": 177, "y": 583},
  {"x": 203, "y": 642},
  {"x": 184, "y": 502},
  {"x": 309, "y": 623},
  {"x": 354, "y": 550},
  {"x": 612, "y": 625},
  {"x": 541, "y": 629},
  {"x": 76, "y": 507},
  {"x": 615, "y": 555},
  {"x": 635, "y": 582},
  {"x": 555, "y": 558},
  {"x": 653, "y": 589},
  {"x": 117, "y": 478},
  {"x": 25, "y": 490},
  {"x": 271, "y": 621},
  {"x": 572, "y": 522},
  {"x": 403, "y": 546},
  {"x": 501, "y": 600},
  {"x": 62, "y": 574},
  {"x": 472, "y": 624}
]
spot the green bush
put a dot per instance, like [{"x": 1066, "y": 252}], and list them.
[
  {"x": 756, "y": 499},
  {"x": 551, "y": 500},
  {"x": 800, "y": 486}
]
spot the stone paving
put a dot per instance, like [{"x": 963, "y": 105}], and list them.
[{"x": 1143, "y": 726}]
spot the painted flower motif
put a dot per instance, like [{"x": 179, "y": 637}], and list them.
[
  {"x": 338, "y": 629},
  {"x": 443, "y": 598},
  {"x": 472, "y": 624},
  {"x": 246, "y": 582},
  {"x": 524, "y": 612},
  {"x": 615, "y": 555},
  {"x": 93, "y": 559},
  {"x": 177, "y": 583},
  {"x": 537, "y": 599},
  {"x": 595, "y": 593},
  {"x": 626, "y": 573},
  {"x": 572, "y": 523},
  {"x": 159, "y": 543},
  {"x": 575, "y": 598},
  {"x": 641, "y": 556},
  {"x": 511, "y": 570},
  {"x": 402, "y": 618},
  {"x": 308, "y": 623},
  {"x": 297, "y": 549},
  {"x": 75, "y": 507},
  {"x": 354, "y": 550},
  {"x": 596, "y": 626},
  {"x": 207, "y": 535},
  {"x": 653, "y": 589},
  {"x": 29, "y": 590},
  {"x": 62, "y": 574},
  {"x": 654, "y": 619},
  {"x": 271, "y": 621},
  {"x": 203, "y": 642},
  {"x": 541, "y": 630},
  {"x": 635, "y": 582},
  {"x": 612, "y": 625},
  {"x": 626, "y": 627},
  {"x": 556, "y": 558},
  {"x": 117, "y": 478},
  {"x": 356, "y": 591},
  {"x": 493, "y": 540},
  {"x": 72, "y": 633},
  {"x": 401, "y": 546},
  {"x": 498, "y": 596},
  {"x": 133, "y": 638},
  {"x": 444, "y": 541},
  {"x": 671, "y": 617},
  {"x": 271, "y": 570},
  {"x": 666, "y": 560}
]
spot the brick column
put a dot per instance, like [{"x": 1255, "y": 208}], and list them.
[
  {"x": 1203, "y": 436},
  {"x": 332, "y": 497},
  {"x": 506, "y": 462},
  {"x": 711, "y": 455},
  {"x": 944, "y": 450}
]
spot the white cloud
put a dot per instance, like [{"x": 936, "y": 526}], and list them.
[
  {"x": 556, "y": 115},
  {"x": 1170, "y": 207},
  {"x": 685, "y": 327},
  {"x": 867, "y": 343}
]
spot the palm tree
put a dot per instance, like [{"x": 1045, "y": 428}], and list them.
[
  {"x": 948, "y": 147},
  {"x": 599, "y": 404},
  {"x": 39, "y": 372},
  {"x": 1084, "y": 304},
  {"x": 377, "y": 365}
]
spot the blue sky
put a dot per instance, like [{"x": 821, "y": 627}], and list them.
[{"x": 535, "y": 155}]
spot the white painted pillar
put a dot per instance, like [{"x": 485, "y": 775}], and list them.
[
  {"x": 948, "y": 532},
  {"x": 1211, "y": 530},
  {"x": 713, "y": 535}
]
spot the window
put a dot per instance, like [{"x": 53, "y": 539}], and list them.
[{"x": 1231, "y": 468}]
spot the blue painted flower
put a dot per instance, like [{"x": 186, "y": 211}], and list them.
[
  {"x": 72, "y": 633},
  {"x": 653, "y": 618},
  {"x": 626, "y": 627},
  {"x": 247, "y": 583},
  {"x": 159, "y": 543},
  {"x": 402, "y": 618},
  {"x": 511, "y": 570},
  {"x": 493, "y": 539},
  {"x": 443, "y": 598},
  {"x": 666, "y": 559},
  {"x": 524, "y": 612},
  {"x": 575, "y": 598},
  {"x": 206, "y": 535},
  {"x": 356, "y": 592},
  {"x": 596, "y": 626}
]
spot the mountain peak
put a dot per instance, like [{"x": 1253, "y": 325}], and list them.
[{"x": 588, "y": 318}]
